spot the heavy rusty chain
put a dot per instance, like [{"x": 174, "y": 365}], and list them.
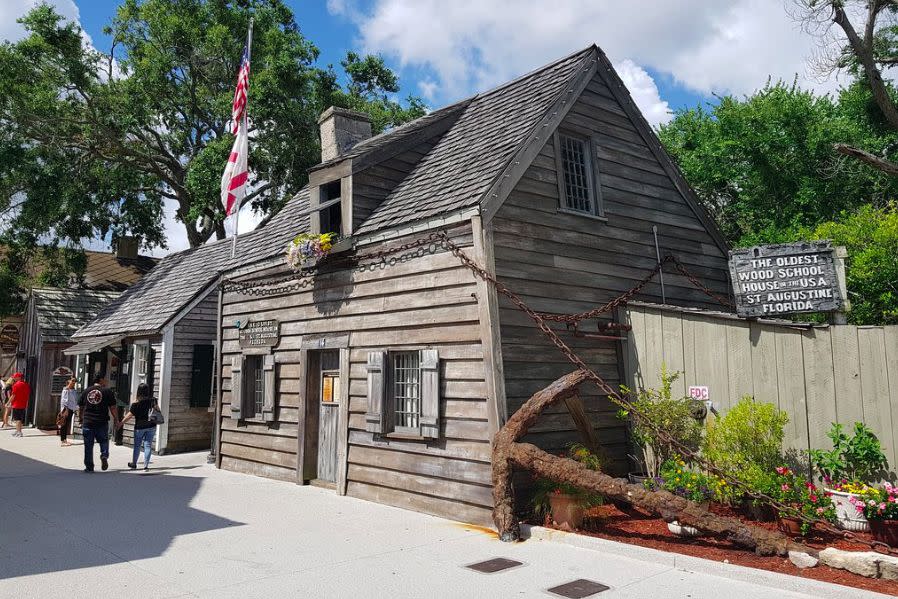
[
  {"x": 624, "y": 403},
  {"x": 303, "y": 278}
]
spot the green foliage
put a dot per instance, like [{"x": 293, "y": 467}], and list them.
[
  {"x": 546, "y": 487},
  {"x": 679, "y": 479},
  {"x": 764, "y": 165},
  {"x": 92, "y": 143},
  {"x": 661, "y": 412},
  {"x": 746, "y": 443},
  {"x": 802, "y": 497},
  {"x": 855, "y": 459},
  {"x": 871, "y": 236}
]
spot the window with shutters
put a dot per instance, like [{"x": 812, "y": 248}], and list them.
[
  {"x": 404, "y": 393},
  {"x": 578, "y": 182},
  {"x": 254, "y": 390}
]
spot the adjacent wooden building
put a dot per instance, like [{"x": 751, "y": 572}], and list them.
[{"x": 386, "y": 378}]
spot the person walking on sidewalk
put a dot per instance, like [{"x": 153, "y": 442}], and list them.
[
  {"x": 18, "y": 401},
  {"x": 95, "y": 407},
  {"x": 144, "y": 428},
  {"x": 68, "y": 403},
  {"x": 4, "y": 399}
]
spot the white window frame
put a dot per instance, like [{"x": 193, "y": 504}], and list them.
[
  {"x": 253, "y": 386},
  {"x": 141, "y": 356},
  {"x": 405, "y": 421},
  {"x": 594, "y": 191}
]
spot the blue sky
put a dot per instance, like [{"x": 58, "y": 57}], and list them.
[{"x": 334, "y": 34}]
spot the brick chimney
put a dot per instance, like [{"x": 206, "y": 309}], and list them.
[
  {"x": 126, "y": 246},
  {"x": 340, "y": 130}
]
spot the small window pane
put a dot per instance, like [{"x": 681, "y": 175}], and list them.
[
  {"x": 407, "y": 388},
  {"x": 577, "y": 173},
  {"x": 258, "y": 386}
]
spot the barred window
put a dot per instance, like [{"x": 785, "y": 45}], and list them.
[
  {"x": 406, "y": 382},
  {"x": 253, "y": 386},
  {"x": 578, "y": 177}
]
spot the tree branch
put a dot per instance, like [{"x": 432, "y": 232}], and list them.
[{"x": 880, "y": 164}]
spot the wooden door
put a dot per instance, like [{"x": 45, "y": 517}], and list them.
[{"x": 328, "y": 414}]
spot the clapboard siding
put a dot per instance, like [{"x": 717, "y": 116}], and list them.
[
  {"x": 423, "y": 301},
  {"x": 372, "y": 185},
  {"x": 190, "y": 428},
  {"x": 561, "y": 262}
]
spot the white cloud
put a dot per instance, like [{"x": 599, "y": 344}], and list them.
[
  {"x": 10, "y": 10},
  {"x": 705, "y": 45}
]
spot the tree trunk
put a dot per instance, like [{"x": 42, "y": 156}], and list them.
[{"x": 507, "y": 452}]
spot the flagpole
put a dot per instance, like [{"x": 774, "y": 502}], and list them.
[{"x": 249, "y": 52}]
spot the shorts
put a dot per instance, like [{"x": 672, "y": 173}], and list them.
[{"x": 18, "y": 414}]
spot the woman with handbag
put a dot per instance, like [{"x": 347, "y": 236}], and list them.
[
  {"x": 146, "y": 417},
  {"x": 68, "y": 404}
]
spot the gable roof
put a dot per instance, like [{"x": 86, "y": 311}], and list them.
[
  {"x": 463, "y": 165},
  {"x": 106, "y": 271},
  {"x": 61, "y": 312},
  {"x": 179, "y": 278}
]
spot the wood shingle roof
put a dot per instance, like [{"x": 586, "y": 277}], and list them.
[{"x": 61, "y": 312}]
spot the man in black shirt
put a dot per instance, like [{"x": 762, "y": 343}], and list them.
[{"x": 95, "y": 407}]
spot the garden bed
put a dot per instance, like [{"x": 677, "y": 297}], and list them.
[{"x": 637, "y": 528}]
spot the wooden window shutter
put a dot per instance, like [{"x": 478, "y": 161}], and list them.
[
  {"x": 270, "y": 388},
  {"x": 430, "y": 394},
  {"x": 151, "y": 370},
  {"x": 237, "y": 386},
  {"x": 379, "y": 417}
]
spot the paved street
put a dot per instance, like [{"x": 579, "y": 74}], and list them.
[{"x": 185, "y": 529}]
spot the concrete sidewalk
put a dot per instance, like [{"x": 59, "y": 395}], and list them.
[{"x": 185, "y": 529}]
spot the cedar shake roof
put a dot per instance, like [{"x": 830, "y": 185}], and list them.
[
  {"x": 106, "y": 271},
  {"x": 466, "y": 161},
  {"x": 179, "y": 278},
  {"x": 61, "y": 312}
]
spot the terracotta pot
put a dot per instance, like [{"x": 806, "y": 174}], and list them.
[
  {"x": 790, "y": 526},
  {"x": 848, "y": 517},
  {"x": 885, "y": 531},
  {"x": 566, "y": 510}
]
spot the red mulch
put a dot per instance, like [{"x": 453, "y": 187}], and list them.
[{"x": 637, "y": 528}]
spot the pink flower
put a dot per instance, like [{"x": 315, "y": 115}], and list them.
[
  {"x": 782, "y": 470},
  {"x": 882, "y": 506},
  {"x": 785, "y": 487},
  {"x": 820, "y": 510},
  {"x": 809, "y": 484}
]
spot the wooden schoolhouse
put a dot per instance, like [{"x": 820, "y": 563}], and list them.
[
  {"x": 162, "y": 331},
  {"x": 385, "y": 376}
]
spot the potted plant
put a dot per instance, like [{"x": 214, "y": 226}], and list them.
[
  {"x": 660, "y": 410},
  {"x": 880, "y": 508},
  {"x": 566, "y": 504},
  {"x": 676, "y": 477},
  {"x": 848, "y": 469},
  {"x": 804, "y": 502},
  {"x": 306, "y": 249},
  {"x": 746, "y": 444}
]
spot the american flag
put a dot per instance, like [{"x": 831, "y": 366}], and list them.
[{"x": 233, "y": 182}]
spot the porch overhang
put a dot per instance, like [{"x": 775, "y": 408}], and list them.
[{"x": 88, "y": 346}]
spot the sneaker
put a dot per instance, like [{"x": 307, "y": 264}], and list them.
[
  {"x": 104, "y": 463},
  {"x": 88, "y": 470},
  {"x": 145, "y": 468},
  {"x": 132, "y": 465}
]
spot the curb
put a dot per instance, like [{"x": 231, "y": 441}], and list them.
[{"x": 782, "y": 582}]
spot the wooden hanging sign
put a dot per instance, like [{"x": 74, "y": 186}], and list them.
[{"x": 260, "y": 333}]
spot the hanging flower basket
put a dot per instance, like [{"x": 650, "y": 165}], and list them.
[{"x": 306, "y": 249}]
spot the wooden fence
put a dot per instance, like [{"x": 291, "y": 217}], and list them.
[{"x": 817, "y": 374}]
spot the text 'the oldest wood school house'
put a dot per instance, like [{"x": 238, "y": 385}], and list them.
[{"x": 385, "y": 372}]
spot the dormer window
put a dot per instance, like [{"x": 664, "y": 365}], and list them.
[
  {"x": 578, "y": 183},
  {"x": 330, "y": 210}
]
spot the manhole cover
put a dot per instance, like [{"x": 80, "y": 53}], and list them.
[
  {"x": 579, "y": 589},
  {"x": 491, "y": 566}
]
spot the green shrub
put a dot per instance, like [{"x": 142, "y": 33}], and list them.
[
  {"x": 663, "y": 412},
  {"x": 855, "y": 459},
  {"x": 746, "y": 443}
]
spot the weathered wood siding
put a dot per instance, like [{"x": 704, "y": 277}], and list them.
[
  {"x": 426, "y": 301},
  {"x": 562, "y": 262},
  {"x": 372, "y": 185},
  {"x": 817, "y": 375},
  {"x": 190, "y": 428}
]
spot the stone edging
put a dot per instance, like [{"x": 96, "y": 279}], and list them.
[{"x": 775, "y": 580}]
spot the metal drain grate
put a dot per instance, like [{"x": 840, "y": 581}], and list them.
[
  {"x": 579, "y": 589},
  {"x": 491, "y": 566}
]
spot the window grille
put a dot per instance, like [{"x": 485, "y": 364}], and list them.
[
  {"x": 406, "y": 373},
  {"x": 258, "y": 386},
  {"x": 577, "y": 171}
]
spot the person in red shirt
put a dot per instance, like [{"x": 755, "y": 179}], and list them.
[{"x": 18, "y": 400}]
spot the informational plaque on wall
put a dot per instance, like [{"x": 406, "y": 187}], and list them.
[
  {"x": 260, "y": 333},
  {"x": 776, "y": 280}
]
